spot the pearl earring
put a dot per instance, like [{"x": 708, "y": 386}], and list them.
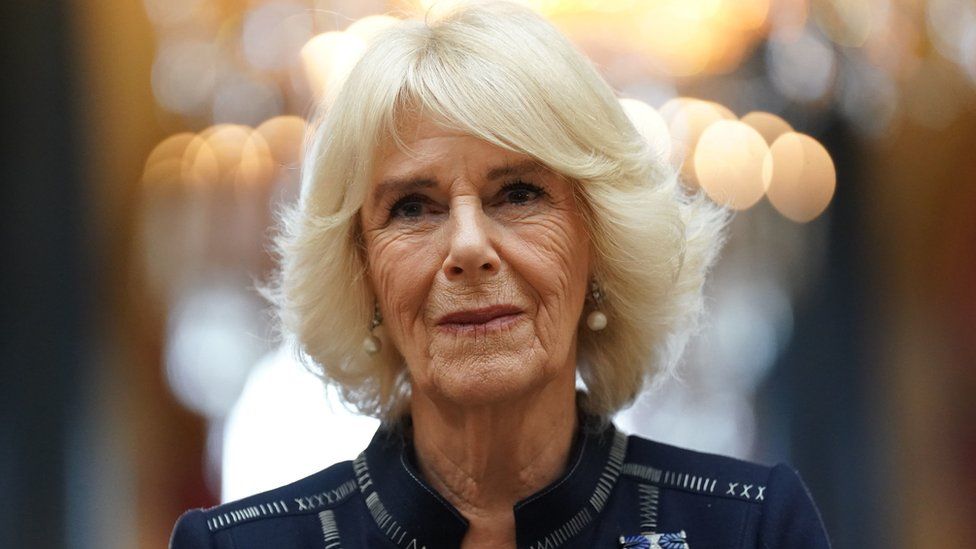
[
  {"x": 596, "y": 320},
  {"x": 372, "y": 344}
]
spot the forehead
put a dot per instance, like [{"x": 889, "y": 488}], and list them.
[{"x": 426, "y": 144}]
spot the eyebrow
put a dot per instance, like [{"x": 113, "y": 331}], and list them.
[
  {"x": 408, "y": 184},
  {"x": 402, "y": 185},
  {"x": 519, "y": 168}
]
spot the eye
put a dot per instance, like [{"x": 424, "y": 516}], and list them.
[
  {"x": 521, "y": 192},
  {"x": 410, "y": 206}
]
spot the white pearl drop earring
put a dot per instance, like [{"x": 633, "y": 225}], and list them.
[
  {"x": 372, "y": 344},
  {"x": 596, "y": 320}
]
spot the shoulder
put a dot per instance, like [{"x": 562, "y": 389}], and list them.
[
  {"x": 198, "y": 528},
  {"x": 696, "y": 472},
  {"x": 781, "y": 510}
]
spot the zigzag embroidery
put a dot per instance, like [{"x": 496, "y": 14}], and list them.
[
  {"x": 599, "y": 498},
  {"x": 648, "y": 495}
]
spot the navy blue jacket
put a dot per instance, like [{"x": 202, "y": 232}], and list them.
[{"x": 618, "y": 491}]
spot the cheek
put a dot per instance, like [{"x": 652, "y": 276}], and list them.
[
  {"x": 553, "y": 255},
  {"x": 400, "y": 267}
]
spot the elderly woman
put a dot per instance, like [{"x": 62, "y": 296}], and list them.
[{"x": 481, "y": 225}]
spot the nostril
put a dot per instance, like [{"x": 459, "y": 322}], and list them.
[{"x": 487, "y": 266}]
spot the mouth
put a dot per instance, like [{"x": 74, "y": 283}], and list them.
[{"x": 488, "y": 317}]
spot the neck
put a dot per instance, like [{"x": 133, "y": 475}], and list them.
[{"x": 485, "y": 459}]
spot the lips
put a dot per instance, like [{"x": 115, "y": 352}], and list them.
[{"x": 479, "y": 316}]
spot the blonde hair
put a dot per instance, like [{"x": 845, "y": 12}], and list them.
[{"x": 502, "y": 73}]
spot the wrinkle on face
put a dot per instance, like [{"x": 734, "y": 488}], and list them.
[{"x": 538, "y": 251}]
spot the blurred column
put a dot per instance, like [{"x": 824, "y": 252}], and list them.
[
  {"x": 924, "y": 236},
  {"x": 136, "y": 465},
  {"x": 43, "y": 280}
]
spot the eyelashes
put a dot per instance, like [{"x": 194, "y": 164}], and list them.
[{"x": 516, "y": 193}]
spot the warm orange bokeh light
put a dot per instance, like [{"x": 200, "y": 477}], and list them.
[
  {"x": 802, "y": 177},
  {"x": 729, "y": 163},
  {"x": 163, "y": 165},
  {"x": 687, "y": 118},
  {"x": 767, "y": 124},
  {"x": 327, "y": 59},
  {"x": 285, "y": 136}
]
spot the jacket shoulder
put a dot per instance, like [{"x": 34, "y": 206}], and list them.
[
  {"x": 323, "y": 490},
  {"x": 790, "y": 517},
  {"x": 783, "y": 509},
  {"x": 696, "y": 472}
]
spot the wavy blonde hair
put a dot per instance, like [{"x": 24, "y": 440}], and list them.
[{"x": 502, "y": 73}]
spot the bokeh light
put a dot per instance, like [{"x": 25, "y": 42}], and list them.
[
  {"x": 801, "y": 68},
  {"x": 172, "y": 12},
  {"x": 285, "y": 136},
  {"x": 849, "y": 22},
  {"x": 164, "y": 164},
  {"x": 767, "y": 124},
  {"x": 327, "y": 59},
  {"x": 200, "y": 166},
  {"x": 869, "y": 97},
  {"x": 651, "y": 126},
  {"x": 274, "y": 33},
  {"x": 256, "y": 165},
  {"x": 801, "y": 177},
  {"x": 895, "y": 44},
  {"x": 952, "y": 25},
  {"x": 729, "y": 163},
  {"x": 242, "y": 99},
  {"x": 208, "y": 353},
  {"x": 184, "y": 75},
  {"x": 687, "y": 118}
]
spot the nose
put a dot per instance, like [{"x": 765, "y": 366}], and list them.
[{"x": 471, "y": 253}]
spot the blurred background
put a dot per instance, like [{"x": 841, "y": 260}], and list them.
[{"x": 147, "y": 144}]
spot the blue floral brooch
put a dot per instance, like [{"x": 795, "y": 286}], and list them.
[{"x": 677, "y": 540}]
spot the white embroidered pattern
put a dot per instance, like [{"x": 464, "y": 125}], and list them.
[
  {"x": 330, "y": 497},
  {"x": 692, "y": 482},
  {"x": 601, "y": 493},
  {"x": 383, "y": 519},
  {"x": 267, "y": 509},
  {"x": 330, "y": 530},
  {"x": 230, "y": 518},
  {"x": 648, "y": 495}
]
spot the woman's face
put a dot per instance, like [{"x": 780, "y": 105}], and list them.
[{"x": 479, "y": 260}]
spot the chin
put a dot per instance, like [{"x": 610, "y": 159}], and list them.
[{"x": 477, "y": 381}]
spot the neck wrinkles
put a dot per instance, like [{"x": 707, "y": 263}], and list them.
[{"x": 483, "y": 461}]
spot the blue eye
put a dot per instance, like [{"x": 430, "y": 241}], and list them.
[{"x": 520, "y": 192}]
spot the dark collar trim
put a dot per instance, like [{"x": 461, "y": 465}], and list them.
[
  {"x": 601, "y": 493},
  {"x": 411, "y": 514},
  {"x": 610, "y": 473}
]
